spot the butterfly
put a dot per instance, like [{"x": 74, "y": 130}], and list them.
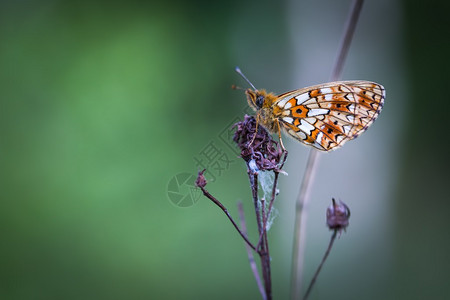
[{"x": 324, "y": 116}]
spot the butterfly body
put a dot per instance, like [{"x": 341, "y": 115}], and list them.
[
  {"x": 262, "y": 103},
  {"x": 323, "y": 116}
]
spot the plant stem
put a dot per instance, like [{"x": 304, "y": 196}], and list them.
[
  {"x": 308, "y": 178},
  {"x": 313, "y": 280},
  {"x": 350, "y": 26},
  {"x": 217, "y": 202},
  {"x": 251, "y": 259},
  {"x": 300, "y": 225},
  {"x": 263, "y": 251}
]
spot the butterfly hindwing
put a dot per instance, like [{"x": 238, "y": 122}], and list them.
[{"x": 326, "y": 116}]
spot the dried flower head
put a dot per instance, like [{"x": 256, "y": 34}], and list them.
[
  {"x": 338, "y": 215},
  {"x": 258, "y": 149},
  {"x": 201, "y": 180}
]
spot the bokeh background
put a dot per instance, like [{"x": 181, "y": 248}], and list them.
[{"x": 107, "y": 107}]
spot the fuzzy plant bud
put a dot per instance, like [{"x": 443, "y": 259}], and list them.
[
  {"x": 338, "y": 215},
  {"x": 201, "y": 180}
]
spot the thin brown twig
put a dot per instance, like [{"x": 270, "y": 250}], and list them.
[
  {"x": 264, "y": 245},
  {"x": 251, "y": 259},
  {"x": 262, "y": 252},
  {"x": 308, "y": 178},
  {"x": 266, "y": 260},
  {"x": 253, "y": 177},
  {"x": 217, "y": 202},
  {"x": 330, "y": 245},
  {"x": 338, "y": 215},
  {"x": 263, "y": 214},
  {"x": 350, "y": 26}
]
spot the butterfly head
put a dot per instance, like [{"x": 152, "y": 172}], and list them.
[{"x": 255, "y": 98}]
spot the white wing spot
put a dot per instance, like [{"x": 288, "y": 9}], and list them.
[
  {"x": 319, "y": 137},
  {"x": 326, "y": 91},
  {"x": 298, "y": 134},
  {"x": 288, "y": 120},
  {"x": 328, "y": 97},
  {"x": 351, "y": 118},
  {"x": 288, "y": 105},
  {"x": 305, "y": 127},
  {"x": 350, "y": 97},
  {"x": 346, "y": 128},
  {"x": 310, "y": 120},
  {"x": 302, "y": 98},
  {"x": 302, "y": 135},
  {"x": 317, "y": 111},
  {"x": 351, "y": 107},
  {"x": 282, "y": 102}
]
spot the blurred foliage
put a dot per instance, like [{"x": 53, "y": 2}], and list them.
[
  {"x": 102, "y": 103},
  {"x": 422, "y": 260}
]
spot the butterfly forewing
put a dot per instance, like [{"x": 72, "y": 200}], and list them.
[{"x": 326, "y": 116}]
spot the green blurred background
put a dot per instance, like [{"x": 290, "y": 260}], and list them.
[{"x": 103, "y": 104}]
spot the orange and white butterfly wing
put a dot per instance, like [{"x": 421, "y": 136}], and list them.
[{"x": 326, "y": 116}]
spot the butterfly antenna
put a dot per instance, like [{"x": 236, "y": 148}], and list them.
[{"x": 243, "y": 76}]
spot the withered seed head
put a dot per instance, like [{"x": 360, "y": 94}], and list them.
[
  {"x": 201, "y": 180},
  {"x": 338, "y": 215},
  {"x": 259, "y": 148}
]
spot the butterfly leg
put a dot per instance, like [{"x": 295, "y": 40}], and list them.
[
  {"x": 285, "y": 152},
  {"x": 256, "y": 130}
]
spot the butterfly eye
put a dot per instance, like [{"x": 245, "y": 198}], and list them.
[{"x": 259, "y": 101}]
